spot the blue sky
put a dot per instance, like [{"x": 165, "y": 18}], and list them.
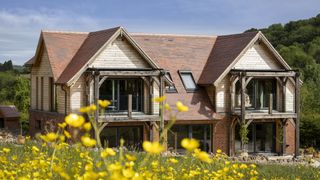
[{"x": 22, "y": 20}]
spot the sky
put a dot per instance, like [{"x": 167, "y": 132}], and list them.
[{"x": 21, "y": 21}]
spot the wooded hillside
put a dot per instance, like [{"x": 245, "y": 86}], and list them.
[{"x": 299, "y": 44}]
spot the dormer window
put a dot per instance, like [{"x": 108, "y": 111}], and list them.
[
  {"x": 188, "y": 81},
  {"x": 170, "y": 88}
]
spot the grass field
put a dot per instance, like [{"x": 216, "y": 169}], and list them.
[{"x": 33, "y": 160}]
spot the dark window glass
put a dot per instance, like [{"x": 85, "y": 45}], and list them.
[
  {"x": 1, "y": 123},
  {"x": 257, "y": 93},
  {"x": 38, "y": 124},
  {"x": 188, "y": 81},
  {"x": 132, "y": 136},
  {"x": 261, "y": 137},
  {"x": 200, "y": 132},
  {"x": 117, "y": 91}
]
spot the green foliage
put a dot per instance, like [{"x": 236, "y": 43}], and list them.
[
  {"x": 14, "y": 90},
  {"x": 244, "y": 133},
  {"x": 298, "y": 42}
]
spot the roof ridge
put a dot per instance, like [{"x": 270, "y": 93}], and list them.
[
  {"x": 239, "y": 34},
  {"x": 64, "y": 32},
  {"x": 164, "y": 34}
]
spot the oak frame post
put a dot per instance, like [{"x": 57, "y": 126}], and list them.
[
  {"x": 297, "y": 109},
  {"x": 96, "y": 94},
  {"x": 243, "y": 107}
]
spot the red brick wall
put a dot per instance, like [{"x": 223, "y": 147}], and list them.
[
  {"x": 290, "y": 138},
  {"x": 48, "y": 120},
  {"x": 221, "y": 135}
]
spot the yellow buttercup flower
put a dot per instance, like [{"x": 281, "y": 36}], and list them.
[
  {"x": 104, "y": 103},
  {"x": 173, "y": 160},
  {"x": 87, "y": 141},
  {"x": 130, "y": 157},
  {"x": 6, "y": 150},
  {"x": 203, "y": 156},
  {"x": 50, "y": 137},
  {"x": 74, "y": 120},
  {"x": 35, "y": 149},
  {"x": 181, "y": 107},
  {"x": 219, "y": 151},
  {"x": 152, "y": 147},
  {"x": 190, "y": 144},
  {"x": 159, "y": 99},
  {"x": 107, "y": 152},
  {"x": 93, "y": 107},
  {"x": 87, "y": 126},
  {"x": 67, "y": 134},
  {"x": 85, "y": 109},
  {"x": 62, "y": 125}
]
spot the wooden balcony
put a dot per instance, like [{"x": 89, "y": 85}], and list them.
[
  {"x": 123, "y": 117},
  {"x": 265, "y": 114}
]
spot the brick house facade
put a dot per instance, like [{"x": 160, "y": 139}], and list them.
[{"x": 224, "y": 80}]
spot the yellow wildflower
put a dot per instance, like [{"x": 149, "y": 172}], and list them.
[
  {"x": 67, "y": 134},
  {"x": 35, "y": 149},
  {"x": 85, "y": 109},
  {"x": 219, "y": 151},
  {"x": 190, "y": 144},
  {"x": 87, "y": 126},
  {"x": 159, "y": 99},
  {"x": 87, "y": 141},
  {"x": 62, "y": 125},
  {"x": 203, "y": 156},
  {"x": 6, "y": 150},
  {"x": 130, "y": 157},
  {"x": 107, "y": 152},
  {"x": 243, "y": 166},
  {"x": 50, "y": 137},
  {"x": 93, "y": 107},
  {"x": 128, "y": 173},
  {"x": 74, "y": 120},
  {"x": 167, "y": 106},
  {"x": 152, "y": 147},
  {"x": 14, "y": 157},
  {"x": 104, "y": 103},
  {"x": 173, "y": 160},
  {"x": 181, "y": 107}
]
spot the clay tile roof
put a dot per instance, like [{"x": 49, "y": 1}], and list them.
[
  {"x": 225, "y": 51},
  {"x": 61, "y": 47},
  {"x": 178, "y": 52},
  {"x": 9, "y": 112},
  {"x": 90, "y": 46}
]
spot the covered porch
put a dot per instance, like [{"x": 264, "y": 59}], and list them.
[{"x": 260, "y": 102}]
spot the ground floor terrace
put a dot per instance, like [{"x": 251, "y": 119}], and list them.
[{"x": 267, "y": 136}]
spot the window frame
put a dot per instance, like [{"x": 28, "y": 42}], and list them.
[
  {"x": 188, "y": 72},
  {"x": 169, "y": 89}
]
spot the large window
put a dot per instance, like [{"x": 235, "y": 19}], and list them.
[
  {"x": 132, "y": 136},
  {"x": 200, "y": 132},
  {"x": 262, "y": 138},
  {"x": 257, "y": 93},
  {"x": 188, "y": 81},
  {"x": 117, "y": 91}
]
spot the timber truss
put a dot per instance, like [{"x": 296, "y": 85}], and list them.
[{"x": 245, "y": 116}]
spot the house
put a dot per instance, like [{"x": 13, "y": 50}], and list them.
[
  {"x": 225, "y": 80},
  {"x": 9, "y": 118}
]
